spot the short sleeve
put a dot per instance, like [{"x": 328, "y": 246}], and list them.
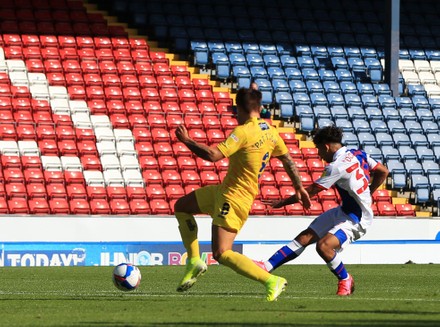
[{"x": 233, "y": 143}]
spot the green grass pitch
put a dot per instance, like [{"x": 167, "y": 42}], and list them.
[{"x": 386, "y": 295}]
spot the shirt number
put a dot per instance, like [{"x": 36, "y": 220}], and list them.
[{"x": 359, "y": 176}]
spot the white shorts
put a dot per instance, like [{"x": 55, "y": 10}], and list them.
[{"x": 338, "y": 223}]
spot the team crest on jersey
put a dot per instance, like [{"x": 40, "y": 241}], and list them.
[
  {"x": 234, "y": 137},
  {"x": 263, "y": 126}
]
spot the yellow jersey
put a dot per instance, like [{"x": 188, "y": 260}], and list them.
[{"x": 249, "y": 148}]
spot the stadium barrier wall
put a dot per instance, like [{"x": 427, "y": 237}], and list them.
[{"x": 107, "y": 241}]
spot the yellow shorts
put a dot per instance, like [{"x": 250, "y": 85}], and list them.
[{"x": 225, "y": 213}]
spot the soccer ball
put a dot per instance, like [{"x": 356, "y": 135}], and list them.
[{"x": 126, "y": 277}]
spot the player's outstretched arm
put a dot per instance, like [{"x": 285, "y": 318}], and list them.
[
  {"x": 290, "y": 168},
  {"x": 203, "y": 151},
  {"x": 378, "y": 176}
]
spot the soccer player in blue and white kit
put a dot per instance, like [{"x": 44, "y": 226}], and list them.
[{"x": 349, "y": 170}]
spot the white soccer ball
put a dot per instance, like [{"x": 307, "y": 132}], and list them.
[{"x": 126, "y": 277}]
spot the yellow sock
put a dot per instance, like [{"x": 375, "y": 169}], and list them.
[
  {"x": 244, "y": 266},
  {"x": 188, "y": 231}
]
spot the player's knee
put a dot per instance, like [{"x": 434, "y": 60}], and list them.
[
  {"x": 217, "y": 253},
  {"x": 323, "y": 245}
]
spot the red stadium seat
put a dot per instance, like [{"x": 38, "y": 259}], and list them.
[
  {"x": 33, "y": 175},
  {"x": 160, "y": 207},
  {"x": 91, "y": 162},
  {"x": 405, "y": 209},
  {"x": 39, "y": 206},
  {"x": 171, "y": 177},
  {"x": 54, "y": 176},
  {"x": 287, "y": 191},
  {"x": 85, "y": 134},
  {"x": 258, "y": 208},
  {"x": 99, "y": 207},
  {"x": 139, "y": 207},
  {"x": 76, "y": 191},
  {"x": 386, "y": 209},
  {"x": 119, "y": 207},
  {"x": 152, "y": 177},
  {"x": 223, "y": 97},
  {"x": 269, "y": 192},
  {"x": 329, "y": 204},
  {"x": 209, "y": 178},
  {"x": 15, "y": 190},
  {"x": 295, "y": 209},
  {"x": 204, "y": 165},
  {"x": 144, "y": 149},
  {"x": 193, "y": 121},
  {"x": 18, "y": 206},
  {"x": 155, "y": 192},
  {"x": 309, "y": 153},
  {"x": 163, "y": 148},
  {"x": 202, "y": 84},
  {"x": 79, "y": 207},
  {"x": 11, "y": 162},
  {"x": 174, "y": 192},
  {"x": 204, "y": 95},
  {"x": 31, "y": 162},
  {"x": 267, "y": 178},
  {"x": 282, "y": 179},
  {"x": 315, "y": 165},
  {"x": 116, "y": 192},
  {"x": 56, "y": 191},
  {"x": 135, "y": 192},
  {"x": 167, "y": 163},
  {"x": 13, "y": 175},
  {"x": 315, "y": 208},
  {"x": 4, "y": 206},
  {"x": 59, "y": 206},
  {"x": 96, "y": 192},
  {"x": 190, "y": 178},
  {"x": 87, "y": 147},
  {"x": 186, "y": 163},
  {"x": 74, "y": 177},
  {"x": 382, "y": 196}
]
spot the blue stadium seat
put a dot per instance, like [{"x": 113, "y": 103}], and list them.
[
  {"x": 416, "y": 89},
  {"x": 325, "y": 122},
  {"x": 418, "y": 139},
  {"x": 307, "y": 123},
  {"x": 374, "y": 152},
  {"x": 251, "y": 48},
  {"x": 319, "y": 51},
  {"x": 222, "y": 65},
  {"x": 303, "y": 50},
  {"x": 318, "y": 99},
  {"x": 322, "y": 111},
  {"x": 314, "y": 87},
  {"x": 293, "y": 74},
  {"x": 424, "y": 115},
  {"x": 331, "y": 87},
  {"x": 356, "y": 113},
  {"x": 266, "y": 90},
  {"x": 401, "y": 138},
  {"x": 386, "y": 101},
  {"x": 339, "y": 112},
  {"x": 369, "y": 101},
  {"x": 326, "y": 75},
  {"x": 258, "y": 72},
  {"x": 365, "y": 88},
  {"x": 276, "y": 73},
  {"x": 390, "y": 114},
  {"x": 237, "y": 59},
  {"x": 396, "y": 126},
  {"x": 379, "y": 126},
  {"x": 432, "y": 54},
  {"x": 368, "y": 52},
  {"x": 280, "y": 85},
  {"x": 306, "y": 62},
  {"x": 407, "y": 114},
  {"x": 285, "y": 102},
  {"x": 242, "y": 75},
  {"x": 434, "y": 103},
  {"x": 216, "y": 47},
  {"x": 366, "y": 138},
  {"x": 420, "y": 102},
  {"x": 406, "y": 152},
  {"x": 404, "y": 102},
  {"x": 233, "y": 47},
  {"x": 288, "y": 61},
  {"x": 310, "y": 74},
  {"x": 344, "y": 75},
  {"x": 271, "y": 60},
  {"x": 345, "y": 125},
  {"x": 301, "y": 110},
  {"x": 269, "y": 49},
  {"x": 433, "y": 139},
  {"x": 356, "y": 63},
  {"x": 417, "y": 54},
  {"x": 390, "y": 152},
  {"x": 352, "y": 100},
  {"x": 339, "y": 63},
  {"x": 373, "y": 113},
  {"x": 201, "y": 53},
  {"x": 424, "y": 153},
  {"x": 413, "y": 127},
  {"x": 352, "y": 52},
  {"x": 335, "y": 99},
  {"x": 336, "y": 51},
  {"x": 254, "y": 60},
  {"x": 350, "y": 140},
  {"x": 297, "y": 86},
  {"x": 361, "y": 126},
  {"x": 382, "y": 89},
  {"x": 349, "y": 88},
  {"x": 301, "y": 99},
  {"x": 431, "y": 168}
]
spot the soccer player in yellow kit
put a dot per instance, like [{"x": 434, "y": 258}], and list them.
[{"x": 249, "y": 148}]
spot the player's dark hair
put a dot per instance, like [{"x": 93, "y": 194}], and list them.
[
  {"x": 249, "y": 99},
  {"x": 328, "y": 134}
]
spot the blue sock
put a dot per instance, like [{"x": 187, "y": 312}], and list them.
[
  {"x": 285, "y": 254},
  {"x": 337, "y": 267}
]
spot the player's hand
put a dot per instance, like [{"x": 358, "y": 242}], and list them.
[
  {"x": 273, "y": 203},
  {"x": 182, "y": 133},
  {"x": 303, "y": 197}
]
